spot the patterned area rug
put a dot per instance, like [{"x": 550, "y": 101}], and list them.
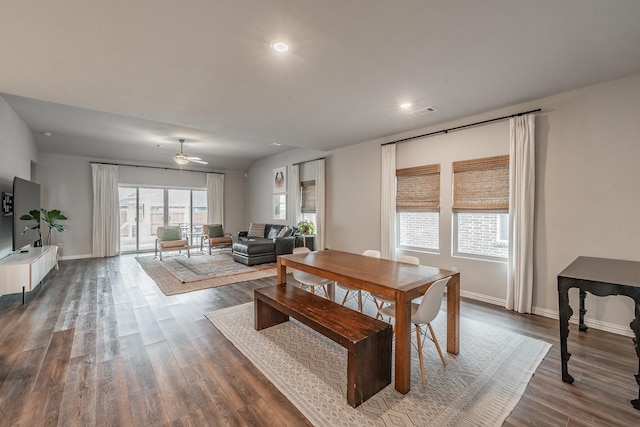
[
  {"x": 179, "y": 274},
  {"x": 478, "y": 387}
]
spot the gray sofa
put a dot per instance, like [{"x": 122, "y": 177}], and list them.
[{"x": 252, "y": 250}]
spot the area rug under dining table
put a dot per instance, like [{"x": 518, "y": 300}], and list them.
[
  {"x": 478, "y": 387},
  {"x": 179, "y": 274}
]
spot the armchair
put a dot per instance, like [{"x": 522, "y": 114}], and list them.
[
  {"x": 215, "y": 237},
  {"x": 170, "y": 238}
]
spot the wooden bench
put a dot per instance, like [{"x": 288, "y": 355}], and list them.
[{"x": 367, "y": 340}]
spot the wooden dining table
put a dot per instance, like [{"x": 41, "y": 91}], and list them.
[{"x": 394, "y": 280}]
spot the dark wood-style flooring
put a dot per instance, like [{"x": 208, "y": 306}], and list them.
[{"x": 98, "y": 344}]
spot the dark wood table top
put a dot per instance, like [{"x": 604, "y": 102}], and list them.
[{"x": 604, "y": 270}]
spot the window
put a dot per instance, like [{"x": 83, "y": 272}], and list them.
[
  {"x": 480, "y": 206},
  {"x": 308, "y": 201},
  {"x": 418, "y": 207},
  {"x": 143, "y": 210}
]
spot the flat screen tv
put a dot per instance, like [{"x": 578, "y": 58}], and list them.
[{"x": 26, "y": 197}]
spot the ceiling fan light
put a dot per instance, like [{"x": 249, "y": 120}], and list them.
[{"x": 181, "y": 160}]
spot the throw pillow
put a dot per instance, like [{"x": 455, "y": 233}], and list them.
[
  {"x": 273, "y": 232},
  {"x": 170, "y": 233},
  {"x": 256, "y": 230},
  {"x": 215, "y": 230},
  {"x": 284, "y": 231}
]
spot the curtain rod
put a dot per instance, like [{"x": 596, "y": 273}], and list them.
[
  {"x": 445, "y": 131},
  {"x": 154, "y": 167},
  {"x": 307, "y": 161}
]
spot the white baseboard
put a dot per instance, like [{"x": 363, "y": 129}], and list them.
[
  {"x": 70, "y": 257},
  {"x": 554, "y": 314},
  {"x": 483, "y": 298},
  {"x": 595, "y": 324}
]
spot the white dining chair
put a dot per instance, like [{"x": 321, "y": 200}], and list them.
[
  {"x": 379, "y": 300},
  {"x": 423, "y": 314},
  {"x": 308, "y": 279},
  {"x": 353, "y": 291}
]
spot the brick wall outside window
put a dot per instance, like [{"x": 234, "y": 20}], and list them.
[
  {"x": 419, "y": 230},
  {"x": 477, "y": 234}
]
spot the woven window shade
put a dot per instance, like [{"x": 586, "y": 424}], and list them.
[
  {"x": 308, "y": 197},
  {"x": 481, "y": 184},
  {"x": 418, "y": 189}
]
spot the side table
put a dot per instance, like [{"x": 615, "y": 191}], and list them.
[{"x": 600, "y": 277}]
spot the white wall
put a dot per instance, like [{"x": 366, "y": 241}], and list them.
[
  {"x": 67, "y": 185},
  {"x": 587, "y": 183},
  {"x": 18, "y": 149}
]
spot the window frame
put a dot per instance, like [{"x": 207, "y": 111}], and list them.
[
  {"x": 455, "y": 234},
  {"x": 479, "y": 186},
  {"x": 435, "y": 251}
]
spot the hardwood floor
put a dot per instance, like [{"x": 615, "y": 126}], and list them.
[{"x": 98, "y": 344}]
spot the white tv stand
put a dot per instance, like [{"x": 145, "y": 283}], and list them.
[{"x": 23, "y": 271}]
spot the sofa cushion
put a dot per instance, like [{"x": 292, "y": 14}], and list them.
[
  {"x": 168, "y": 244},
  {"x": 256, "y": 230},
  {"x": 273, "y": 233},
  {"x": 254, "y": 247},
  {"x": 283, "y": 232},
  {"x": 215, "y": 230},
  {"x": 170, "y": 233}
]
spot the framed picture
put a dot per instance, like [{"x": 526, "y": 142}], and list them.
[
  {"x": 280, "y": 180},
  {"x": 7, "y": 204},
  {"x": 280, "y": 206}
]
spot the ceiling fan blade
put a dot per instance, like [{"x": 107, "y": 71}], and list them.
[
  {"x": 202, "y": 162},
  {"x": 193, "y": 158}
]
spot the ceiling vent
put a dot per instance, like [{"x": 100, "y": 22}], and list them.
[{"x": 423, "y": 111}]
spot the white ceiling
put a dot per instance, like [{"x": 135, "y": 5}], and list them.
[{"x": 124, "y": 80}]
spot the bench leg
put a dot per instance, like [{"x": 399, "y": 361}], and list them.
[
  {"x": 369, "y": 367},
  {"x": 265, "y": 316}
]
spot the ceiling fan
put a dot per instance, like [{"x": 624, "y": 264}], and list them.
[{"x": 182, "y": 159}]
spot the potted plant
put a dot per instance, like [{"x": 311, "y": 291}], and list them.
[
  {"x": 50, "y": 217},
  {"x": 306, "y": 227}
]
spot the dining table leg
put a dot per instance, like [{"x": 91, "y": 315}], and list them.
[
  {"x": 281, "y": 269},
  {"x": 403, "y": 344},
  {"x": 453, "y": 314}
]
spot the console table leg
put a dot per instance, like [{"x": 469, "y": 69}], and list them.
[
  {"x": 565, "y": 314},
  {"x": 23, "y": 292},
  {"x": 582, "y": 326},
  {"x": 635, "y": 327}
]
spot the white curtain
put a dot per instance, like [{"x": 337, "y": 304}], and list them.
[
  {"x": 388, "y": 202},
  {"x": 295, "y": 193},
  {"x": 106, "y": 220},
  {"x": 215, "y": 198},
  {"x": 521, "y": 213},
  {"x": 320, "y": 205}
]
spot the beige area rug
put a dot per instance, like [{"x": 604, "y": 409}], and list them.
[
  {"x": 179, "y": 274},
  {"x": 478, "y": 387}
]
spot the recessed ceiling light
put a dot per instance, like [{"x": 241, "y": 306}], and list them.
[
  {"x": 47, "y": 133},
  {"x": 276, "y": 144},
  {"x": 405, "y": 105},
  {"x": 280, "y": 46}
]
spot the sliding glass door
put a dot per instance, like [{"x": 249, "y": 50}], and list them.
[{"x": 143, "y": 210}]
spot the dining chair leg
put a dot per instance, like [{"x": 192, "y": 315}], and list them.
[
  {"x": 435, "y": 341},
  {"x": 326, "y": 294},
  {"x": 420, "y": 357},
  {"x": 379, "y": 305},
  {"x": 360, "y": 301},
  {"x": 345, "y": 297}
]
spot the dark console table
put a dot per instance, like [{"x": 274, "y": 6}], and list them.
[{"x": 601, "y": 277}]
